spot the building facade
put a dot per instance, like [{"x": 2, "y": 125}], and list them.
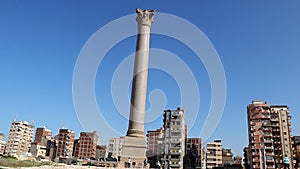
[
  {"x": 39, "y": 145},
  {"x": 269, "y": 135},
  {"x": 115, "y": 146},
  {"x": 214, "y": 154},
  {"x": 87, "y": 145},
  {"x": 173, "y": 144},
  {"x": 296, "y": 141},
  {"x": 65, "y": 143},
  {"x": 227, "y": 157},
  {"x": 2, "y": 144},
  {"x": 282, "y": 136},
  {"x": 101, "y": 152},
  {"x": 42, "y": 135},
  {"x": 152, "y": 142},
  {"x": 190, "y": 142},
  {"x": 19, "y": 139}
]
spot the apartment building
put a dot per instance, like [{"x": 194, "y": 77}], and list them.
[
  {"x": 152, "y": 142},
  {"x": 87, "y": 145},
  {"x": 115, "y": 146},
  {"x": 190, "y": 142},
  {"x": 65, "y": 142},
  {"x": 42, "y": 135},
  {"x": 227, "y": 157},
  {"x": 19, "y": 139},
  {"x": 269, "y": 135},
  {"x": 173, "y": 144},
  {"x": 2, "y": 144},
  {"x": 101, "y": 152},
  {"x": 282, "y": 136},
  {"x": 76, "y": 148},
  {"x": 214, "y": 154},
  {"x": 296, "y": 141},
  {"x": 39, "y": 145}
]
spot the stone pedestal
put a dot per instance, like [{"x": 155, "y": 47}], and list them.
[{"x": 135, "y": 148}]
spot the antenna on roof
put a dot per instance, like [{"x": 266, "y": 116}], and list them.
[{"x": 15, "y": 118}]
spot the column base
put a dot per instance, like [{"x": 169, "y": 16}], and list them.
[
  {"x": 135, "y": 149},
  {"x": 135, "y": 133}
]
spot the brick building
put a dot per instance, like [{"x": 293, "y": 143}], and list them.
[
  {"x": 65, "y": 142},
  {"x": 269, "y": 134},
  {"x": 87, "y": 145},
  {"x": 189, "y": 144}
]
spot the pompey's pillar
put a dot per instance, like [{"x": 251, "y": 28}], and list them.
[
  {"x": 140, "y": 74},
  {"x": 134, "y": 146}
]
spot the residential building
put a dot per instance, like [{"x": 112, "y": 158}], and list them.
[
  {"x": 2, "y": 144},
  {"x": 152, "y": 142},
  {"x": 19, "y": 139},
  {"x": 227, "y": 157},
  {"x": 38, "y": 150},
  {"x": 269, "y": 135},
  {"x": 51, "y": 149},
  {"x": 214, "y": 154},
  {"x": 296, "y": 141},
  {"x": 65, "y": 142},
  {"x": 203, "y": 160},
  {"x": 39, "y": 146},
  {"x": 76, "y": 148},
  {"x": 190, "y": 142},
  {"x": 174, "y": 139},
  {"x": 115, "y": 147},
  {"x": 101, "y": 152},
  {"x": 42, "y": 135},
  {"x": 87, "y": 145},
  {"x": 282, "y": 136},
  {"x": 246, "y": 160}
]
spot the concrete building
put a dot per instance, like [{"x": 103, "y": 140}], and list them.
[
  {"x": 65, "y": 142},
  {"x": 101, "y": 152},
  {"x": 269, "y": 135},
  {"x": 227, "y": 157},
  {"x": 296, "y": 141},
  {"x": 2, "y": 144},
  {"x": 38, "y": 150},
  {"x": 214, "y": 154},
  {"x": 282, "y": 136},
  {"x": 51, "y": 149},
  {"x": 76, "y": 148},
  {"x": 246, "y": 160},
  {"x": 87, "y": 145},
  {"x": 39, "y": 145},
  {"x": 115, "y": 146},
  {"x": 174, "y": 139},
  {"x": 19, "y": 139},
  {"x": 189, "y": 144}
]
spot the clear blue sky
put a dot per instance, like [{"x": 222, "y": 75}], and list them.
[{"x": 257, "y": 42}]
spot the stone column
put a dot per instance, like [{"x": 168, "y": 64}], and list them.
[
  {"x": 140, "y": 74},
  {"x": 134, "y": 146}
]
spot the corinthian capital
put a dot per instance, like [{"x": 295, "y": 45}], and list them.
[{"x": 144, "y": 17}]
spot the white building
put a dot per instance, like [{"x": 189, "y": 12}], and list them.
[
  {"x": 115, "y": 146},
  {"x": 214, "y": 154},
  {"x": 174, "y": 139},
  {"x": 19, "y": 139}
]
